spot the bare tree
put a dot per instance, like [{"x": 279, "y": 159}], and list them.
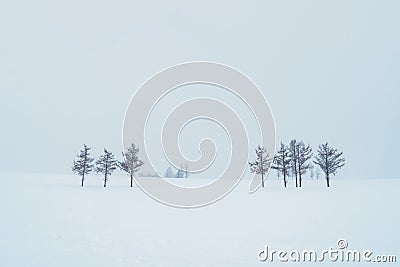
[
  {"x": 317, "y": 173},
  {"x": 312, "y": 174},
  {"x": 281, "y": 162},
  {"x": 304, "y": 154},
  {"x": 169, "y": 173},
  {"x": 278, "y": 173},
  {"x": 83, "y": 164},
  {"x": 106, "y": 164},
  {"x": 130, "y": 162},
  {"x": 186, "y": 171},
  {"x": 179, "y": 172},
  {"x": 261, "y": 164},
  {"x": 329, "y": 160}
]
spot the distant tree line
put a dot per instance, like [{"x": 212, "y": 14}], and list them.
[
  {"x": 106, "y": 164},
  {"x": 148, "y": 174},
  {"x": 295, "y": 159},
  {"x": 181, "y": 172}
]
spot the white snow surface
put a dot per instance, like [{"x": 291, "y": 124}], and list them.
[{"x": 49, "y": 220}]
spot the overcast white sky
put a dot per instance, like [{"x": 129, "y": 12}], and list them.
[{"x": 329, "y": 69}]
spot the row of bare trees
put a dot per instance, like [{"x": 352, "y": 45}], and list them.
[
  {"x": 295, "y": 159},
  {"x": 181, "y": 172},
  {"x": 107, "y": 164}
]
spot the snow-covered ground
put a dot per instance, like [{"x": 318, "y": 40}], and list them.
[{"x": 49, "y": 220}]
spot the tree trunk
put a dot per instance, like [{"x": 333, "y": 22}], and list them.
[
  {"x": 295, "y": 164},
  {"x": 284, "y": 178},
  {"x": 299, "y": 179},
  {"x": 262, "y": 170},
  {"x": 262, "y": 178},
  {"x": 327, "y": 169},
  {"x": 131, "y": 180},
  {"x": 84, "y": 168},
  {"x": 105, "y": 175}
]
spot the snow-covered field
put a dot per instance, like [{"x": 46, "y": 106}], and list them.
[{"x": 49, "y": 220}]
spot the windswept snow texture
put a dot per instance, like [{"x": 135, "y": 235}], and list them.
[{"x": 49, "y": 220}]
